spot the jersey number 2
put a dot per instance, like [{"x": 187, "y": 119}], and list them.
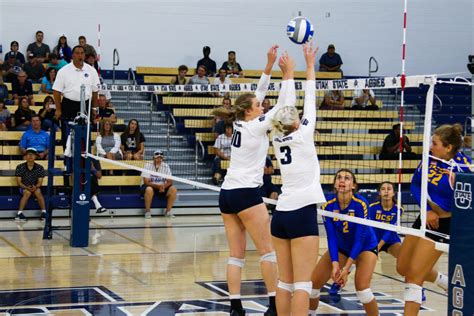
[
  {"x": 345, "y": 228},
  {"x": 285, "y": 150},
  {"x": 236, "y": 139}
]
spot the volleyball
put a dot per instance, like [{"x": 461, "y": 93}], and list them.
[{"x": 300, "y": 30}]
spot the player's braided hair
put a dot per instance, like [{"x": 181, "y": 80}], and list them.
[
  {"x": 237, "y": 111},
  {"x": 284, "y": 120}
]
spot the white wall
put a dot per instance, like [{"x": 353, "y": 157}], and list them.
[{"x": 169, "y": 33}]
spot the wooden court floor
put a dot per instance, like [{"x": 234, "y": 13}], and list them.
[{"x": 156, "y": 267}]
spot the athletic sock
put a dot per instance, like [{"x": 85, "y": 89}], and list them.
[
  {"x": 235, "y": 302},
  {"x": 96, "y": 202},
  {"x": 271, "y": 299},
  {"x": 442, "y": 281}
]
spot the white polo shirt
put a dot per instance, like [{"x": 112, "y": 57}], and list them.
[{"x": 69, "y": 80}]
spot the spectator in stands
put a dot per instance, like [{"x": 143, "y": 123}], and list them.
[
  {"x": 22, "y": 88},
  {"x": 105, "y": 110},
  {"x": 222, "y": 79},
  {"x": 108, "y": 143},
  {"x": 96, "y": 174},
  {"x": 268, "y": 189},
  {"x": 5, "y": 119},
  {"x": 29, "y": 177},
  {"x": 62, "y": 50},
  {"x": 220, "y": 122},
  {"x": 266, "y": 105},
  {"x": 232, "y": 66},
  {"x": 361, "y": 100},
  {"x": 35, "y": 138},
  {"x": 34, "y": 69},
  {"x": 46, "y": 113},
  {"x": 3, "y": 88},
  {"x": 91, "y": 61},
  {"x": 133, "y": 142},
  {"x": 333, "y": 100},
  {"x": 223, "y": 148},
  {"x": 391, "y": 146},
  {"x": 207, "y": 62},
  {"x": 11, "y": 68},
  {"x": 14, "y": 51},
  {"x": 180, "y": 78},
  {"x": 154, "y": 184},
  {"x": 200, "y": 76},
  {"x": 330, "y": 61},
  {"x": 48, "y": 80},
  {"x": 38, "y": 48},
  {"x": 55, "y": 62},
  {"x": 23, "y": 115},
  {"x": 88, "y": 49}
]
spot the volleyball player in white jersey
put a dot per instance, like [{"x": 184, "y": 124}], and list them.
[
  {"x": 294, "y": 224},
  {"x": 241, "y": 205}
]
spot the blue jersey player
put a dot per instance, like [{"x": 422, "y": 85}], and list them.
[
  {"x": 348, "y": 243},
  {"x": 419, "y": 255}
]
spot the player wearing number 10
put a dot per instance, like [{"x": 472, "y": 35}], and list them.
[{"x": 294, "y": 224}]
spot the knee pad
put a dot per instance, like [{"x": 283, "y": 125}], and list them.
[
  {"x": 304, "y": 286},
  {"x": 365, "y": 296},
  {"x": 315, "y": 293},
  {"x": 270, "y": 257},
  {"x": 285, "y": 286},
  {"x": 236, "y": 262},
  {"x": 413, "y": 293}
]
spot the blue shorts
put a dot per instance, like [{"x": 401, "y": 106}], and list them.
[
  {"x": 236, "y": 200},
  {"x": 386, "y": 246},
  {"x": 294, "y": 224},
  {"x": 347, "y": 253}
]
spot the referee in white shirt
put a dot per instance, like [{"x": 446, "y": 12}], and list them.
[{"x": 68, "y": 84}]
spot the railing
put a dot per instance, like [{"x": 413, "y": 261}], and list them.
[
  {"x": 197, "y": 158},
  {"x": 131, "y": 76},
  {"x": 373, "y": 60},
  {"x": 116, "y": 62}
]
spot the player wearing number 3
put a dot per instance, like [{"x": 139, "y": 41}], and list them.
[
  {"x": 241, "y": 205},
  {"x": 294, "y": 225}
]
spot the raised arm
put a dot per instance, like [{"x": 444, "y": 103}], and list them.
[
  {"x": 264, "y": 81},
  {"x": 310, "y": 89}
]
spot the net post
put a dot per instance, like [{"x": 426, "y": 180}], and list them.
[
  {"x": 461, "y": 265},
  {"x": 48, "y": 225}
]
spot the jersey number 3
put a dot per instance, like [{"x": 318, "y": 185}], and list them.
[
  {"x": 285, "y": 150},
  {"x": 236, "y": 139}
]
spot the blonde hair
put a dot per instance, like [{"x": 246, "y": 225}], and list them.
[
  {"x": 284, "y": 120},
  {"x": 450, "y": 135},
  {"x": 237, "y": 111}
]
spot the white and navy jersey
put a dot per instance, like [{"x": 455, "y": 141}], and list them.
[
  {"x": 299, "y": 165},
  {"x": 250, "y": 141}
]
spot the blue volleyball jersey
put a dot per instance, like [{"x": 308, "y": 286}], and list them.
[
  {"x": 440, "y": 191},
  {"x": 350, "y": 237},
  {"x": 377, "y": 213}
]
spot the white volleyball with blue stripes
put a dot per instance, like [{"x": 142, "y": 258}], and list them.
[{"x": 300, "y": 30}]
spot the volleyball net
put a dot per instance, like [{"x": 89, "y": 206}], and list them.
[{"x": 360, "y": 123}]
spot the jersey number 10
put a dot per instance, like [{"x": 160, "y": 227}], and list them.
[{"x": 236, "y": 139}]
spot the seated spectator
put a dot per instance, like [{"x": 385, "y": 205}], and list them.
[
  {"x": 333, "y": 100},
  {"x": 207, "y": 62},
  {"x": 220, "y": 122},
  {"x": 200, "y": 76},
  {"x": 361, "y": 99},
  {"x": 5, "y": 120},
  {"x": 14, "y": 51},
  {"x": 223, "y": 147},
  {"x": 38, "y": 48},
  {"x": 153, "y": 184},
  {"x": 105, "y": 111},
  {"x": 133, "y": 142},
  {"x": 96, "y": 174},
  {"x": 180, "y": 79},
  {"x": 48, "y": 81},
  {"x": 88, "y": 49},
  {"x": 266, "y": 105},
  {"x": 391, "y": 146},
  {"x": 62, "y": 50},
  {"x": 3, "y": 88},
  {"x": 35, "y": 138},
  {"x": 330, "y": 61},
  {"x": 34, "y": 69},
  {"x": 90, "y": 59},
  {"x": 268, "y": 189},
  {"x": 108, "y": 143},
  {"x": 222, "y": 79},
  {"x": 11, "y": 68},
  {"x": 55, "y": 62},
  {"x": 23, "y": 115},
  {"x": 232, "y": 66},
  {"x": 46, "y": 113},
  {"x": 22, "y": 88},
  {"x": 29, "y": 177}
]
